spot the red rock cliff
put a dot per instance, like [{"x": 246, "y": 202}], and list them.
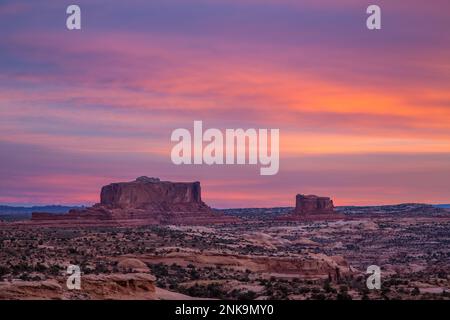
[{"x": 142, "y": 201}]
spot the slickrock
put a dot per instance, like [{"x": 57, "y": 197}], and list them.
[
  {"x": 311, "y": 266},
  {"x": 32, "y": 290},
  {"x": 132, "y": 265},
  {"x": 119, "y": 286},
  {"x": 93, "y": 287}
]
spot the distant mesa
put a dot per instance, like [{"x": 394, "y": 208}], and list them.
[
  {"x": 141, "y": 202},
  {"x": 129, "y": 265},
  {"x": 151, "y": 193},
  {"x": 312, "y": 207}
]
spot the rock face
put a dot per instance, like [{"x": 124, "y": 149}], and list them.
[
  {"x": 310, "y": 204},
  {"x": 141, "y": 202},
  {"x": 138, "y": 286}
]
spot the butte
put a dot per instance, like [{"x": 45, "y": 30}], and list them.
[
  {"x": 144, "y": 201},
  {"x": 312, "y": 207}
]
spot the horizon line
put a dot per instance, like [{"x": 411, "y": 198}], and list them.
[{"x": 18, "y": 205}]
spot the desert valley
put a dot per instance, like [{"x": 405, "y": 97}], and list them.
[{"x": 152, "y": 239}]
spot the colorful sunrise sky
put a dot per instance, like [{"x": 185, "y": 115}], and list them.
[{"x": 364, "y": 116}]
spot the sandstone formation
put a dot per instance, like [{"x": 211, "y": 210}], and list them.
[
  {"x": 312, "y": 207},
  {"x": 93, "y": 287},
  {"x": 32, "y": 290},
  {"x": 308, "y": 266},
  {"x": 119, "y": 286},
  {"x": 151, "y": 193},
  {"x": 135, "y": 286},
  {"x": 132, "y": 265},
  {"x": 143, "y": 201}
]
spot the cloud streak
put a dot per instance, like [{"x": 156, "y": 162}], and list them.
[{"x": 110, "y": 96}]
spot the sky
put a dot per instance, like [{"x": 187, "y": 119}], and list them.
[{"x": 364, "y": 116}]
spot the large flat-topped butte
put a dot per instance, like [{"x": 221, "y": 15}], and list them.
[{"x": 141, "y": 202}]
